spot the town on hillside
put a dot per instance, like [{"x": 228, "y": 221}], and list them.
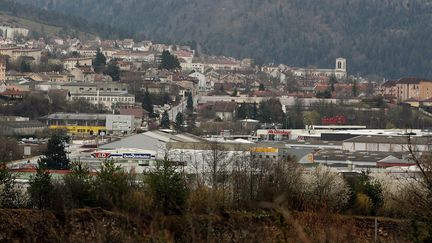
[
  {"x": 136, "y": 103},
  {"x": 121, "y": 94}
]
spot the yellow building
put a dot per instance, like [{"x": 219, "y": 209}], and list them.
[
  {"x": 425, "y": 88},
  {"x": 72, "y": 129},
  {"x": 77, "y": 124}
]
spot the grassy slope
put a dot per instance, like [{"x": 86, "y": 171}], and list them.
[{"x": 46, "y": 29}]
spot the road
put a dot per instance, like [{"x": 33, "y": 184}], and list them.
[
  {"x": 180, "y": 108},
  {"x": 75, "y": 153}
]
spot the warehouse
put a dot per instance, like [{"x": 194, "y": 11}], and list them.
[
  {"x": 21, "y": 128},
  {"x": 381, "y": 143},
  {"x": 90, "y": 124}
]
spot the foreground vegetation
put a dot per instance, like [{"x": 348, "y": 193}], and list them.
[{"x": 228, "y": 195}]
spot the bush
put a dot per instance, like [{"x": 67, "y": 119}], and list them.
[
  {"x": 362, "y": 204},
  {"x": 326, "y": 189}
]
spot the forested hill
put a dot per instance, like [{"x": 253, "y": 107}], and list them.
[
  {"x": 387, "y": 37},
  {"x": 36, "y": 17}
]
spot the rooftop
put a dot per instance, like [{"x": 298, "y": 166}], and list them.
[
  {"x": 75, "y": 116},
  {"x": 390, "y": 140}
]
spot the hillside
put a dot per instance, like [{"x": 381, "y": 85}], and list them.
[
  {"x": 40, "y": 28},
  {"x": 53, "y": 23},
  {"x": 389, "y": 38}
]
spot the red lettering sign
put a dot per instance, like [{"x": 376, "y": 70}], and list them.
[
  {"x": 278, "y": 132},
  {"x": 337, "y": 120},
  {"x": 101, "y": 155}
]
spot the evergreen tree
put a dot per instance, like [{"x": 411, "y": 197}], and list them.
[
  {"x": 235, "y": 92},
  {"x": 55, "y": 156},
  {"x": 189, "y": 104},
  {"x": 10, "y": 196},
  {"x": 254, "y": 111},
  {"x": 270, "y": 111},
  {"x": 79, "y": 185},
  {"x": 332, "y": 82},
  {"x": 25, "y": 67},
  {"x": 147, "y": 103},
  {"x": 179, "y": 122},
  {"x": 169, "y": 61},
  {"x": 165, "y": 121},
  {"x": 111, "y": 185},
  {"x": 354, "y": 88},
  {"x": 113, "y": 71},
  {"x": 41, "y": 188},
  {"x": 241, "y": 111},
  {"x": 168, "y": 188},
  {"x": 99, "y": 61}
]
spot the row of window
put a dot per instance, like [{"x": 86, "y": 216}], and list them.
[
  {"x": 102, "y": 89},
  {"x": 119, "y": 99}
]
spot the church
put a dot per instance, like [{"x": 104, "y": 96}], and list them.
[{"x": 340, "y": 71}]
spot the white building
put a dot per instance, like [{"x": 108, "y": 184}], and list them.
[
  {"x": 202, "y": 81},
  {"x": 71, "y": 63},
  {"x": 387, "y": 144},
  {"x": 12, "y": 33},
  {"x": 120, "y": 123},
  {"x": 104, "y": 99},
  {"x": 2, "y": 70}
]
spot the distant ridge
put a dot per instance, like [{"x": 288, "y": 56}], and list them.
[{"x": 391, "y": 38}]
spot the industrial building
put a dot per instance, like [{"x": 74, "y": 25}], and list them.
[
  {"x": 90, "y": 124},
  {"x": 21, "y": 128}
]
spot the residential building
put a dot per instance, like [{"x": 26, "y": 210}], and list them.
[
  {"x": 388, "y": 89},
  {"x": 51, "y": 77},
  {"x": 33, "y": 54},
  {"x": 2, "y": 70},
  {"x": 83, "y": 73},
  {"x": 224, "y": 110},
  {"x": 139, "y": 114},
  {"x": 87, "y": 52},
  {"x": 409, "y": 88},
  {"x": 202, "y": 81},
  {"x": 71, "y": 63},
  {"x": 141, "y": 56},
  {"x": 13, "y": 32},
  {"x": 107, "y": 100}
]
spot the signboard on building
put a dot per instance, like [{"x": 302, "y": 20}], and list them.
[
  {"x": 264, "y": 150},
  {"x": 284, "y": 132},
  {"x": 119, "y": 123},
  {"x": 337, "y": 120}
]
